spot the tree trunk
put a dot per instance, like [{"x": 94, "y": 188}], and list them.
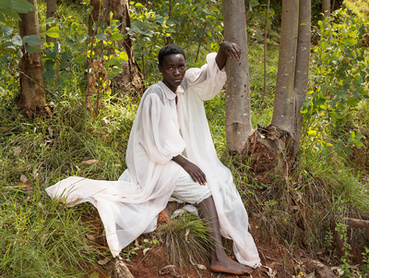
[
  {"x": 284, "y": 103},
  {"x": 326, "y": 7},
  {"x": 274, "y": 148},
  {"x": 302, "y": 66},
  {"x": 51, "y": 12},
  {"x": 94, "y": 15},
  {"x": 131, "y": 79},
  {"x": 32, "y": 98},
  {"x": 237, "y": 107}
]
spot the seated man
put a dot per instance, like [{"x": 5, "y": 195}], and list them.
[{"x": 171, "y": 156}]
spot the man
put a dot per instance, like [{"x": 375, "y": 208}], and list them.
[{"x": 171, "y": 156}]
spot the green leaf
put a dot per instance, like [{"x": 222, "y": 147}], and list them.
[
  {"x": 117, "y": 37},
  {"x": 352, "y": 101},
  {"x": 123, "y": 56},
  {"x": 17, "y": 40},
  {"x": 81, "y": 59},
  {"x": 101, "y": 36},
  {"x": 18, "y": 6},
  {"x": 312, "y": 132},
  {"x": 48, "y": 74},
  {"x": 53, "y": 32},
  {"x": 350, "y": 41},
  {"x": 8, "y": 31},
  {"x": 32, "y": 40}
]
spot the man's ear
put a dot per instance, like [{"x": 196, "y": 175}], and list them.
[{"x": 159, "y": 67}]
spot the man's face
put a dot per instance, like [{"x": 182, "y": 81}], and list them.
[{"x": 173, "y": 69}]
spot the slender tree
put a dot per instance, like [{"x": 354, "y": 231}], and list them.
[
  {"x": 50, "y": 13},
  {"x": 293, "y": 67},
  {"x": 280, "y": 140},
  {"x": 131, "y": 79},
  {"x": 302, "y": 66},
  {"x": 32, "y": 98},
  {"x": 237, "y": 107},
  {"x": 326, "y": 8}
]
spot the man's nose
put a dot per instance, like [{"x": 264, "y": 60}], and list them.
[{"x": 177, "y": 71}]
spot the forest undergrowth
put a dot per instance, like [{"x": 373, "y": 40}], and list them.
[{"x": 295, "y": 220}]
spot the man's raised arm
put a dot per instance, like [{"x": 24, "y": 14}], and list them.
[{"x": 227, "y": 49}]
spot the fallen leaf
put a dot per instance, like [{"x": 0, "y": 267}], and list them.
[
  {"x": 145, "y": 251},
  {"x": 23, "y": 178},
  {"x": 90, "y": 162},
  {"x": 103, "y": 261},
  {"x": 91, "y": 237},
  {"x": 51, "y": 132},
  {"x": 201, "y": 267},
  {"x": 17, "y": 151},
  {"x": 167, "y": 269},
  {"x": 186, "y": 235}
]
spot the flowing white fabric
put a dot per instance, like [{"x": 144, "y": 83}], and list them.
[{"x": 163, "y": 129}]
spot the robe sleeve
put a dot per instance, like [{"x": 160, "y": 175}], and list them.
[
  {"x": 206, "y": 81},
  {"x": 158, "y": 135}
]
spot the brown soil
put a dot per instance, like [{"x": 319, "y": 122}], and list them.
[{"x": 277, "y": 261}]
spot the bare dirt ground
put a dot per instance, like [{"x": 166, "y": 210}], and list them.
[{"x": 277, "y": 261}]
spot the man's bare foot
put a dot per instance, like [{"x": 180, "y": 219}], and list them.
[
  {"x": 163, "y": 216},
  {"x": 229, "y": 266}
]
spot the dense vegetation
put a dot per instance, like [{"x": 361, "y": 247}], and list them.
[{"x": 40, "y": 237}]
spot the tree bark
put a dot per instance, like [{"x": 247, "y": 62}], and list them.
[
  {"x": 274, "y": 148},
  {"x": 51, "y": 12},
  {"x": 32, "y": 98},
  {"x": 302, "y": 66},
  {"x": 284, "y": 103},
  {"x": 131, "y": 79},
  {"x": 237, "y": 107},
  {"x": 326, "y": 8},
  {"x": 94, "y": 15},
  {"x": 265, "y": 52}
]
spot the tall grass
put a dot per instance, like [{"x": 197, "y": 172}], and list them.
[{"x": 40, "y": 237}]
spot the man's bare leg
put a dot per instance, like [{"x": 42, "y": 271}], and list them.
[{"x": 220, "y": 261}]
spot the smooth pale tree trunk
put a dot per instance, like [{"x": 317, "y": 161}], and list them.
[
  {"x": 32, "y": 98},
  {"x": 302, "y": 66},
  {"x": 265, "y": 52},
  {"x": 237, "y": 107},
  {"x": 274, "y": 148},
  {"x": 131, "y": 79},
  {"x": 326, "y": 7},
  {"x": 284, "y": 103},
  {"x": 51, "y": 12}
]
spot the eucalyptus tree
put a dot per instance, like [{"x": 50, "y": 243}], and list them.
[
  {"x": 281, "y": 138},
  {"x": 130, "y": 79},
  {"x": 50, "y": 13},
  {"x": 326, "y": 8},
  {"x": 237, "y": 107},
  {"x": 32, "y": 98},
  {"x": 293, "y": 66}
]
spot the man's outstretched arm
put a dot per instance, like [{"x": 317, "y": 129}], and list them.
[{"x": 227, "y": 49}]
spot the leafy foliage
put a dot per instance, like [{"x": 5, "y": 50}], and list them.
[
  {"x": 299, "y": 211},
  {"x": 339, "y": 82}
]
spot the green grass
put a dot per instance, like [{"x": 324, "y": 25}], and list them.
[{"x": 41, "y": 238}]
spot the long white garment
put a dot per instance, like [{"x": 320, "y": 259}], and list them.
[{"x": 163, "y": 129}]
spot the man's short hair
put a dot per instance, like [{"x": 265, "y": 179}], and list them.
[{"x": 169, "y": 49}]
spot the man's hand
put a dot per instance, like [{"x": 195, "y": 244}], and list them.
[
  {"x": 227, "y": 49},
  {"x": 195, "y": 172}
]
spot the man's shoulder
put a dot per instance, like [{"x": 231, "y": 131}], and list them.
[{"x": 154, "y": 89}]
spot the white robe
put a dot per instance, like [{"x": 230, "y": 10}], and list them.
[{"x": 129, "y": 207}]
